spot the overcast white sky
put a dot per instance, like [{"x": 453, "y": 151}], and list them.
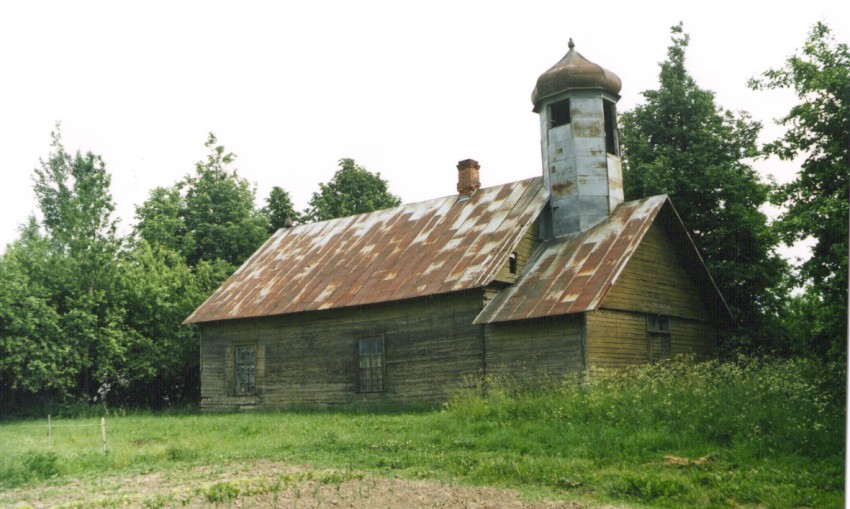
[{"x": 406, "y": 89}]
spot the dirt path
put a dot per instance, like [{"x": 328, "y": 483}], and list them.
[{"x": 261, "y": 484}]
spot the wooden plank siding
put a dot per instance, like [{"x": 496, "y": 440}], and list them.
[
  {"x": 656, "y": 282},
  {"x": 545, "y": 347},
  {"x": 525, "y": 247},
  {"x": 430, "y": 345}
]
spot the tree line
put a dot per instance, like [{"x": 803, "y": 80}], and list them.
[{"x": 88, "y": 315}]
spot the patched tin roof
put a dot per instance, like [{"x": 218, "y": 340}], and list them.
[
  {"x": 438, "y": 246},
  {"x": 573, "y": 274},
  {"x": 573, "y": 71}
]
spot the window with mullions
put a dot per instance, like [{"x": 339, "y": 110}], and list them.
[
  {"x": 246, "y": 364},
  {"x": 658, "y": 337},
  {"x": 370, "y": 364}
]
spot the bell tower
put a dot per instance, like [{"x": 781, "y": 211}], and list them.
[{"x": 576, "y": 100}]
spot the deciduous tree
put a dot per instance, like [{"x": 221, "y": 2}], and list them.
[
  {"x": 209, "y": 215},
  {"x": 816, "y": 201},
  {"x": 352, "y": 190},
  {"x": 280, "y": 210},
  {"x": 679, "y": 142}
]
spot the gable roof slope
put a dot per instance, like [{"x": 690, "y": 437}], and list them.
[
  {"x": 437, "y": 246},
  {"x": 574, "y": 274}
]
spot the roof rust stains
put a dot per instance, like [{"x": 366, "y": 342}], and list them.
[
  {"x": 561, "y": 188},
  {"x": 437, "y": 246},
  {"x": 574, "y": 274},
  {"x": 573, "y": 71}
]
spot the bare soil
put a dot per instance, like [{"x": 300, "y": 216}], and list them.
[{"x": 261, "y": 484}]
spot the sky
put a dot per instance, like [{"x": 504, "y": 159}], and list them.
[{"x": 407, "y": 89}]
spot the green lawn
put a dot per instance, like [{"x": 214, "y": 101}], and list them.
[{"x": 722, "y": 435}]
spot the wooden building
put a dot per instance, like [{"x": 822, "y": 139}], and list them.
[{"x": 553, "y": 274}]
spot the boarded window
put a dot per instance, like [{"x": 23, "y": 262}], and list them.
[
  {"x": 612, "y": 143},
  {"x": 370, "y": 364},
  {"x": 658, "y": 337},
  {"x": 559, "y": 113},
  {"x": 246, "y": 366}
]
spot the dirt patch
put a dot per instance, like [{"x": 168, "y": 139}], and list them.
[{"x": 261, "y": 484}]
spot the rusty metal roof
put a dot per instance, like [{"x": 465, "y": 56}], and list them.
[
  {"x": 573, "y": 71},
  {"x": 437, "y": 246},
  {"x": 573, "y": 275}
]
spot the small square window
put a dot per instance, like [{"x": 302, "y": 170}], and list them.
[
  {"x": 658, "y": 323},
  {"x": 370, "y": 364},
  {"x": 246, "y": 364},
  {"x": 559, "y": 113}
]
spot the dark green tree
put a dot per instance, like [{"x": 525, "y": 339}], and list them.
[
  {"x": 679, "y": 142},
  {"x": 72, "y": 273},
  {"x": 352, "y": 190},
  {"x": 159, "y": 291},
  {"x": 73, "y": 194},
  {"x": 160, "y": 220},
  {"x": 816, "y": 201},
  {"x": 35, "y": 358},
  {"x": 219, "y": 214},
  {"x": 279, "y": 209},
  {"x": 209, "y": 215}
]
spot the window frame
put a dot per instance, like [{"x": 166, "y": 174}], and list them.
[
  {"x": 239, "y": 388},
  {"x": 658, "y": 337},
  {"x": 563, "y": 106},
  {"x": 612, "y": 135},
  {"x": 513, "y": 264},
  {"x": 371, "y": 378}
]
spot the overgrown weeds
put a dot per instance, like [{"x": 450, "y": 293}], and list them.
[
  {"x": 755, "y": 430},
  {"x": 763, "y": 432},
  {"x": 766, "y": 405}
]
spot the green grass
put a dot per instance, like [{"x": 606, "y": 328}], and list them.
[{"x": 768, "y": 433}]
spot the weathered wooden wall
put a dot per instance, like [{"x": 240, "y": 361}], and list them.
[
  {"x": 430, "y": 345},
  {"x": 655, "y": 281},
  {"x": 543, "y": 347},
  {"x": 524, "y": 249}
]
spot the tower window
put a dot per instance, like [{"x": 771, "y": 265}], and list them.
[
  {"x": 612, "y": 143},
  {"x": 559, "y": 113}
]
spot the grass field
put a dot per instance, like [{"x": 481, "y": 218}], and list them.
[{"x": 754, "y": 433}]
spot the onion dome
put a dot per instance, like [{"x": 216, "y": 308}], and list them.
[{"x": 574, "y": 72}]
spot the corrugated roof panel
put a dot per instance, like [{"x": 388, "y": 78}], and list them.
[
  {"x": 438, "y": 246},
  {"x": 573, "y": 275}
]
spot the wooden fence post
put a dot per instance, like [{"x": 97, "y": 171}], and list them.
[
  {"x": 103, "y": 432},
  {"x": 49, "y": 432}
]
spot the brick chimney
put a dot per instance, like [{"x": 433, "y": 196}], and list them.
[{"x": 467, "y": 177}]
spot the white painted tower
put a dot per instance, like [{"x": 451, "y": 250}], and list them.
[{"x": 576, "y": 100}]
